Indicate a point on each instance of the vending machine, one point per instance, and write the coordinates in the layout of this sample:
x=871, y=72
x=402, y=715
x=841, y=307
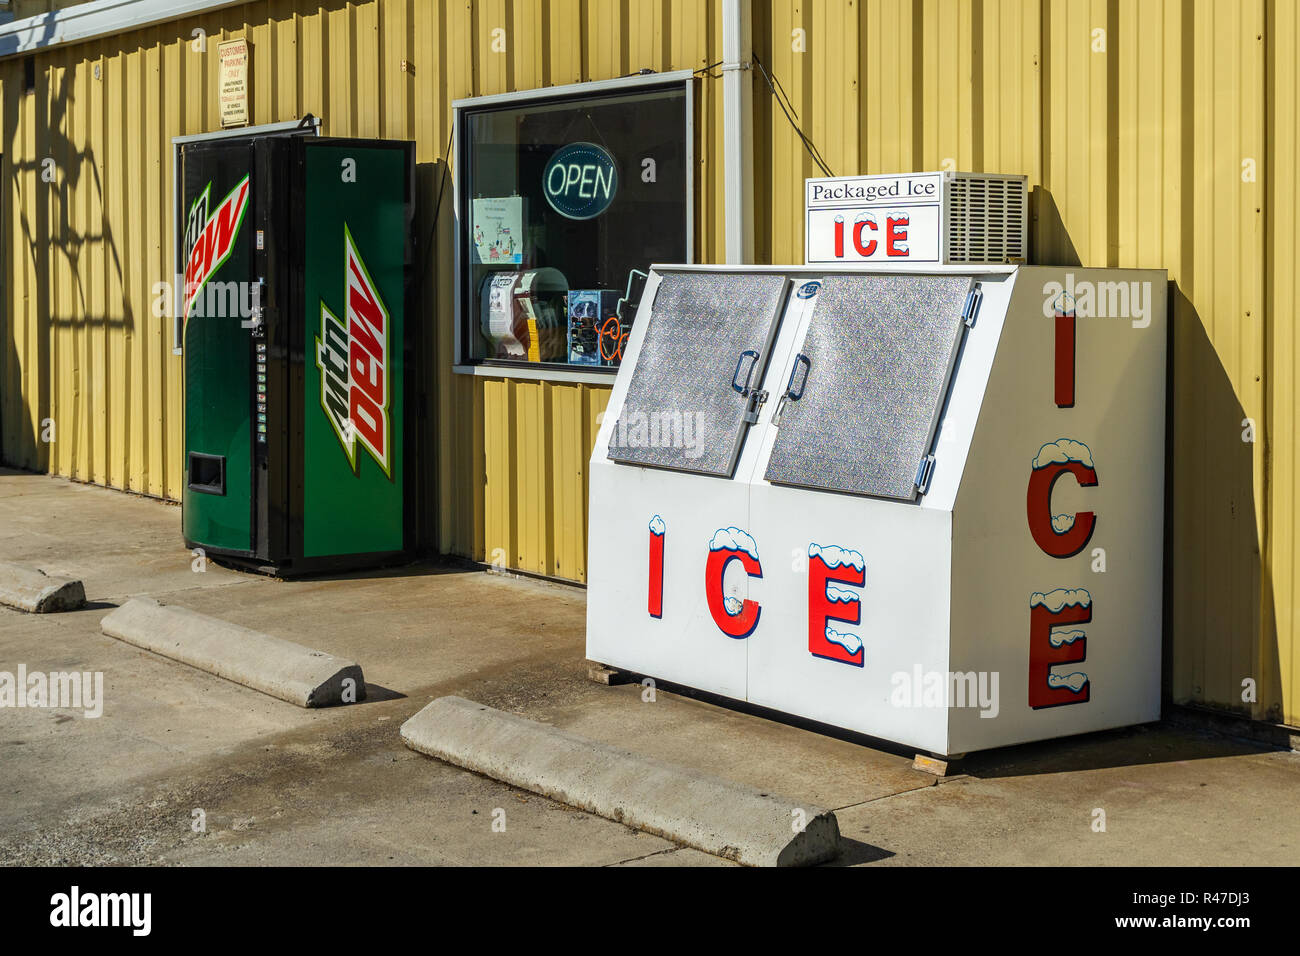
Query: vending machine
x=300, y=357
x=899, y=489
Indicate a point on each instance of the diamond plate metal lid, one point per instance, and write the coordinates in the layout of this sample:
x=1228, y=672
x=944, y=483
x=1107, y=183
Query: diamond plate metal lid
x=880, y=350
x=681, y=411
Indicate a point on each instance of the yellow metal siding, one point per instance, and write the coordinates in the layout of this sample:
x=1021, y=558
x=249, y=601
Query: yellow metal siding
x=82, y=345
x=1138, y=124
x=1133, y=122
x=1279, y=648
x=513, y=453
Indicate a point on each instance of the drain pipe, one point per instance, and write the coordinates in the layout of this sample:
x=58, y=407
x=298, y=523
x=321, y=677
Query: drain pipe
x=738, y=134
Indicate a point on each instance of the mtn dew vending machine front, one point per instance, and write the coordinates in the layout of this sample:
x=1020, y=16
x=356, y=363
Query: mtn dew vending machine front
x=299, y=356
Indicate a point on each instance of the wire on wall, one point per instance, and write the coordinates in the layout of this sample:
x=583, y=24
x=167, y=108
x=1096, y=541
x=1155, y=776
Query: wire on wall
x=792, y=117
x=426, y=273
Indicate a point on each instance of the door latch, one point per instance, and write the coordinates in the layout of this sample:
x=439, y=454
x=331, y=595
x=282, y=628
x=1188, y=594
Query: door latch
x=743, y=387
x=791, y=394
x=756, y=399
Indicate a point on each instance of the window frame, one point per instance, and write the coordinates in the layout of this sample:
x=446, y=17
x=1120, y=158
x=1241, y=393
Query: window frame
x=552, y=371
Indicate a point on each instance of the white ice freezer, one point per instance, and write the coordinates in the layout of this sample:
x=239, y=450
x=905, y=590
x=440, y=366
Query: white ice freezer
x=924, y=505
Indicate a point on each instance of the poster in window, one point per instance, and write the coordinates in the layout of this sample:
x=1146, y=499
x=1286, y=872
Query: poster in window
x=498, y=225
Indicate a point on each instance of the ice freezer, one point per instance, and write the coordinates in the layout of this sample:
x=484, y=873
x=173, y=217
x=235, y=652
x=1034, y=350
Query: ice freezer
x=925, y=505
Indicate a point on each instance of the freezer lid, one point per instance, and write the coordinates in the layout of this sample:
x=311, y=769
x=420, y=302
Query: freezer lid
x=864, y=392
x=701, y=363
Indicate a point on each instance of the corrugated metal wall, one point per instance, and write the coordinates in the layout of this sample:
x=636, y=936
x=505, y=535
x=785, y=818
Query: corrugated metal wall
x=523, y=505
x=82, y=347
x=1155, y=134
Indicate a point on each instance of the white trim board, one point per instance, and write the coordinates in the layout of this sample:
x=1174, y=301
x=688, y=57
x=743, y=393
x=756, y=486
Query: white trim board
x=540, y=373
x=96, y=19
x=589, y=88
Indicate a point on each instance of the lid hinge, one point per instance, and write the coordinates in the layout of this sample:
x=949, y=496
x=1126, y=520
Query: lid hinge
x=923, y=472
x=972, y=306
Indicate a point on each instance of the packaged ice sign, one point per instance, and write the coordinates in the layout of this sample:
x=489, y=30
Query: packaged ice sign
x=352, y=355
x=580, y=180
x=920, y=218
x=210, y=239
x=862, y=504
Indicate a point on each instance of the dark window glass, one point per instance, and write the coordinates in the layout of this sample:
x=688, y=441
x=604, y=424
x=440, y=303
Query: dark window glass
x=564, y=205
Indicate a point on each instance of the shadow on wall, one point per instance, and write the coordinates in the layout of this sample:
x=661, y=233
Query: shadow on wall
x=430, y=290
x=1219, y=631
x=1212, y=566
x=1050, y=242
x=43, y=241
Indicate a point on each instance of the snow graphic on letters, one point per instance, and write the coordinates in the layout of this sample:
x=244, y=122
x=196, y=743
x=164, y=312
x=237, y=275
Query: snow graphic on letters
x=735, y=616
x=733, y=539
x=1060, y=535
x=830, y=569
x=900, y=219
x=1061, y=597
x=1062, y=523
x=1062, y=451
x=1054, y=601
x=850, y=642
x=1058, y=638
x=657, y=525
x=833, y=556
x=1074, y=682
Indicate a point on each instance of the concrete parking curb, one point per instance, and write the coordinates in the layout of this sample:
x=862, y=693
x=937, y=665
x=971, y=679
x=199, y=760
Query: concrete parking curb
x=718, y=816
x=34, y=591
x=283, y=669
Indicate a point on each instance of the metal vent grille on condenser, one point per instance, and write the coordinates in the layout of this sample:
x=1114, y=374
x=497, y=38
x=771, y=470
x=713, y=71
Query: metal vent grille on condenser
x=879, y=353
x=702, y=356
x=987, y=218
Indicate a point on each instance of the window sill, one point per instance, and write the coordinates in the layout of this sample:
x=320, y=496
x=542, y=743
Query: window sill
x=536, y=374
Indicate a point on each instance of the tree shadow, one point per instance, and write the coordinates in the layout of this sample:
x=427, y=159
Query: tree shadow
x=41, y=192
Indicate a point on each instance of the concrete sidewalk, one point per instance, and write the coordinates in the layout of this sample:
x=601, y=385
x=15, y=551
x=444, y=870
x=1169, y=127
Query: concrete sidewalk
x=277, y=784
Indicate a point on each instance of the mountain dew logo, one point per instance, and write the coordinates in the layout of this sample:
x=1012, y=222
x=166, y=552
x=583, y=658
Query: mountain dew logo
x=210, y=239
x=352, y=355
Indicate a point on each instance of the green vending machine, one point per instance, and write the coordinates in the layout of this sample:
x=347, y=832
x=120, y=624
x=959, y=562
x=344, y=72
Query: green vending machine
x=300, y=362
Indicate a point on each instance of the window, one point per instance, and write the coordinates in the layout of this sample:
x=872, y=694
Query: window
x=563, y=202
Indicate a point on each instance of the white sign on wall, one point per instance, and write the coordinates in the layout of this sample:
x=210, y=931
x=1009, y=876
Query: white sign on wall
x=233, y=92
x=885, y=219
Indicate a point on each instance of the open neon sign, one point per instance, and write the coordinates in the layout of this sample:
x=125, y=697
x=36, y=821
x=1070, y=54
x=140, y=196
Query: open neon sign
x=580, y=180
